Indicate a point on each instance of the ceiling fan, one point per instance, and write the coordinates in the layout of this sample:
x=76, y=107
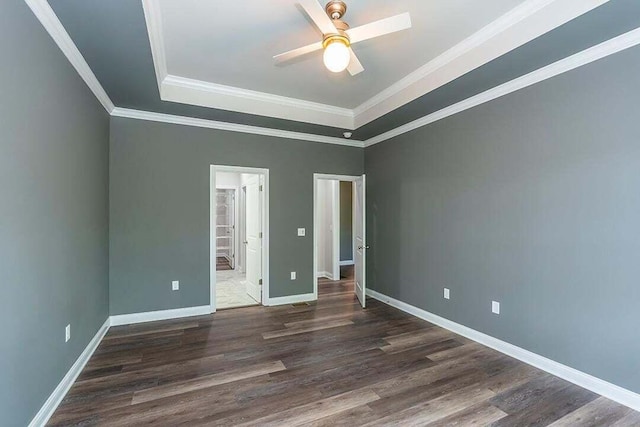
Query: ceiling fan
x=338, y=37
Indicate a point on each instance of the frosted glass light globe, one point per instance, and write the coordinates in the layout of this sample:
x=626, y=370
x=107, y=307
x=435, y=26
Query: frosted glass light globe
x=336, y=56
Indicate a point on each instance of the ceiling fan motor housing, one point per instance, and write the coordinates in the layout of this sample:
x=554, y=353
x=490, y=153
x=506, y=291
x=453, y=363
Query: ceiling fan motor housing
x=342, y=28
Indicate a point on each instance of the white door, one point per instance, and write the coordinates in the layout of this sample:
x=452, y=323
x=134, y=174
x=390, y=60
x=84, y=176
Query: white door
x=361, y=244
x=242, y=230
x=253, y=233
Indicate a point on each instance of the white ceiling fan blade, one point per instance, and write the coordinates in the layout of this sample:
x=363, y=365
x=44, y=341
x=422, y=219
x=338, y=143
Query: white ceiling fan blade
x=355, y=67
x=319, y=16
x=287, y=56
x=380, y=28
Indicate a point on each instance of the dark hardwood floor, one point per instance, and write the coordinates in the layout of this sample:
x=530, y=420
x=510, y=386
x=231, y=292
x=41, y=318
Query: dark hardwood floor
x=328, y=363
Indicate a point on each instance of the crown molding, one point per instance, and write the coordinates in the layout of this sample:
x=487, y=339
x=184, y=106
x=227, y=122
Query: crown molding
x=231, y=127
x=54, y=27
x=587, y=56
x=205, y=94
x=522, y=24
x=507, y=20
x=212, y=95
x=152, y=13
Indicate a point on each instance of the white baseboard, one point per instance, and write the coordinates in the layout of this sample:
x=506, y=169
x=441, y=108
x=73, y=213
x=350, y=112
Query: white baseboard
x=61, y=390
x=152, y=316
x=596, y=385
x=325, y=274
x=348, y=262
x=63, y=387
x=293, y=299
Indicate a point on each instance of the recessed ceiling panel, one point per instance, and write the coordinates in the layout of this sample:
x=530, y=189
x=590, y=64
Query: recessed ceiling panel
x=232, y=43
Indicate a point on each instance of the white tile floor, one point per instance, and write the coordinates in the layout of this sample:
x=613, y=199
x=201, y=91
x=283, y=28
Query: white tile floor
x=231, y=290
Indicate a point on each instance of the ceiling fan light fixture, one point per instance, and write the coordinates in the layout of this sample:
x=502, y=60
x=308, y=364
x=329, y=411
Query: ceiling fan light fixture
x=336, y=53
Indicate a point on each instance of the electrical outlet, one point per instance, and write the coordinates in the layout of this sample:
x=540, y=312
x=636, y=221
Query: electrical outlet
x=447, y=293
x=302, y=232
x=293, y=275
x=495, y=307
x=175, y=285
x=67, y=333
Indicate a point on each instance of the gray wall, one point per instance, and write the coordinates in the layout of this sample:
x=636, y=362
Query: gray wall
x=532, y=200
x=159, y=208
x=53, y=214
x=346, y=221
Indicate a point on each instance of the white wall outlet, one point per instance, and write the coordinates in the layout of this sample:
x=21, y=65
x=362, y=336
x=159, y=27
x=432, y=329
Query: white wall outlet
x=447, y=293
x=302, y=232
x=175, y=285
x=293, y=275
x=495, y=307
x=67, y=333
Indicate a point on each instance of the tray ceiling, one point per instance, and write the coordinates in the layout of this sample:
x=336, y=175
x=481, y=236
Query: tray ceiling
x=215, y=58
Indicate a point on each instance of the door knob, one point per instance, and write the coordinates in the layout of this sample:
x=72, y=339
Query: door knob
x=363, y=247
x=245, y=242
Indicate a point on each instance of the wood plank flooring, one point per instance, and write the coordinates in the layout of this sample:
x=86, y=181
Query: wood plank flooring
x=328, y=363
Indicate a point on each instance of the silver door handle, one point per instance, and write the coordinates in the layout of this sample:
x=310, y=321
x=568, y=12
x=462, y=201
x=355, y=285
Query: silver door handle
x=363, y=247
x=246, y=243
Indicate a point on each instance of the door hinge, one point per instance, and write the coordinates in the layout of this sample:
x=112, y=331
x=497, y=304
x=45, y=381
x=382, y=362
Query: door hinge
x=261, y=188
x=260, y=235
x=260, y=282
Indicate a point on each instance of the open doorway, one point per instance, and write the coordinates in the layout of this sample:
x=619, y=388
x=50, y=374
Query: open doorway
x=339, y=234
x=239, y=236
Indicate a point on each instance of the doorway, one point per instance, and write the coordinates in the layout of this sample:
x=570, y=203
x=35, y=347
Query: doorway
x=330, y=250
x=238, y=237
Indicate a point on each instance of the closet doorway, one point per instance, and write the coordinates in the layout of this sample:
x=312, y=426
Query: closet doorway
x=239, y=237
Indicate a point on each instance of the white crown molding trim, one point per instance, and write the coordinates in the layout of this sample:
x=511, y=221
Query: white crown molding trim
x=610, y=47
x=231, y=127
x=293, y=299
x=153, y=14
x=596, y=385
x=54, y=27
x=152, y=316
x=522, y=24
x=51, y=404
x=205, y=94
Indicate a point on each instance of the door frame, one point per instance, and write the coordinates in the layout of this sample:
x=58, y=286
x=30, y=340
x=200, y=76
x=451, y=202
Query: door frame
x=213, y=169
x=242, y=221
x=317, y=177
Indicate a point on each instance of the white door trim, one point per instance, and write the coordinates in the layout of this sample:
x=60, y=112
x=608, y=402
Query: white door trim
x=212, y=228
x=335, y=220
x=317, y=177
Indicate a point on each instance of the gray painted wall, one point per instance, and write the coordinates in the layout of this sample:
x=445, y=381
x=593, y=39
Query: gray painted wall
x=532, y=200
x=53, y=215
x=346, y=221
x=159, y=208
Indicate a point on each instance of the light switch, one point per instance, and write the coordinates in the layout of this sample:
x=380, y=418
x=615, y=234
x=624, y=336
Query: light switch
x=302, y=232
x=175, y=285
x=447, y=294
x=495, y=307
x=293, y=275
